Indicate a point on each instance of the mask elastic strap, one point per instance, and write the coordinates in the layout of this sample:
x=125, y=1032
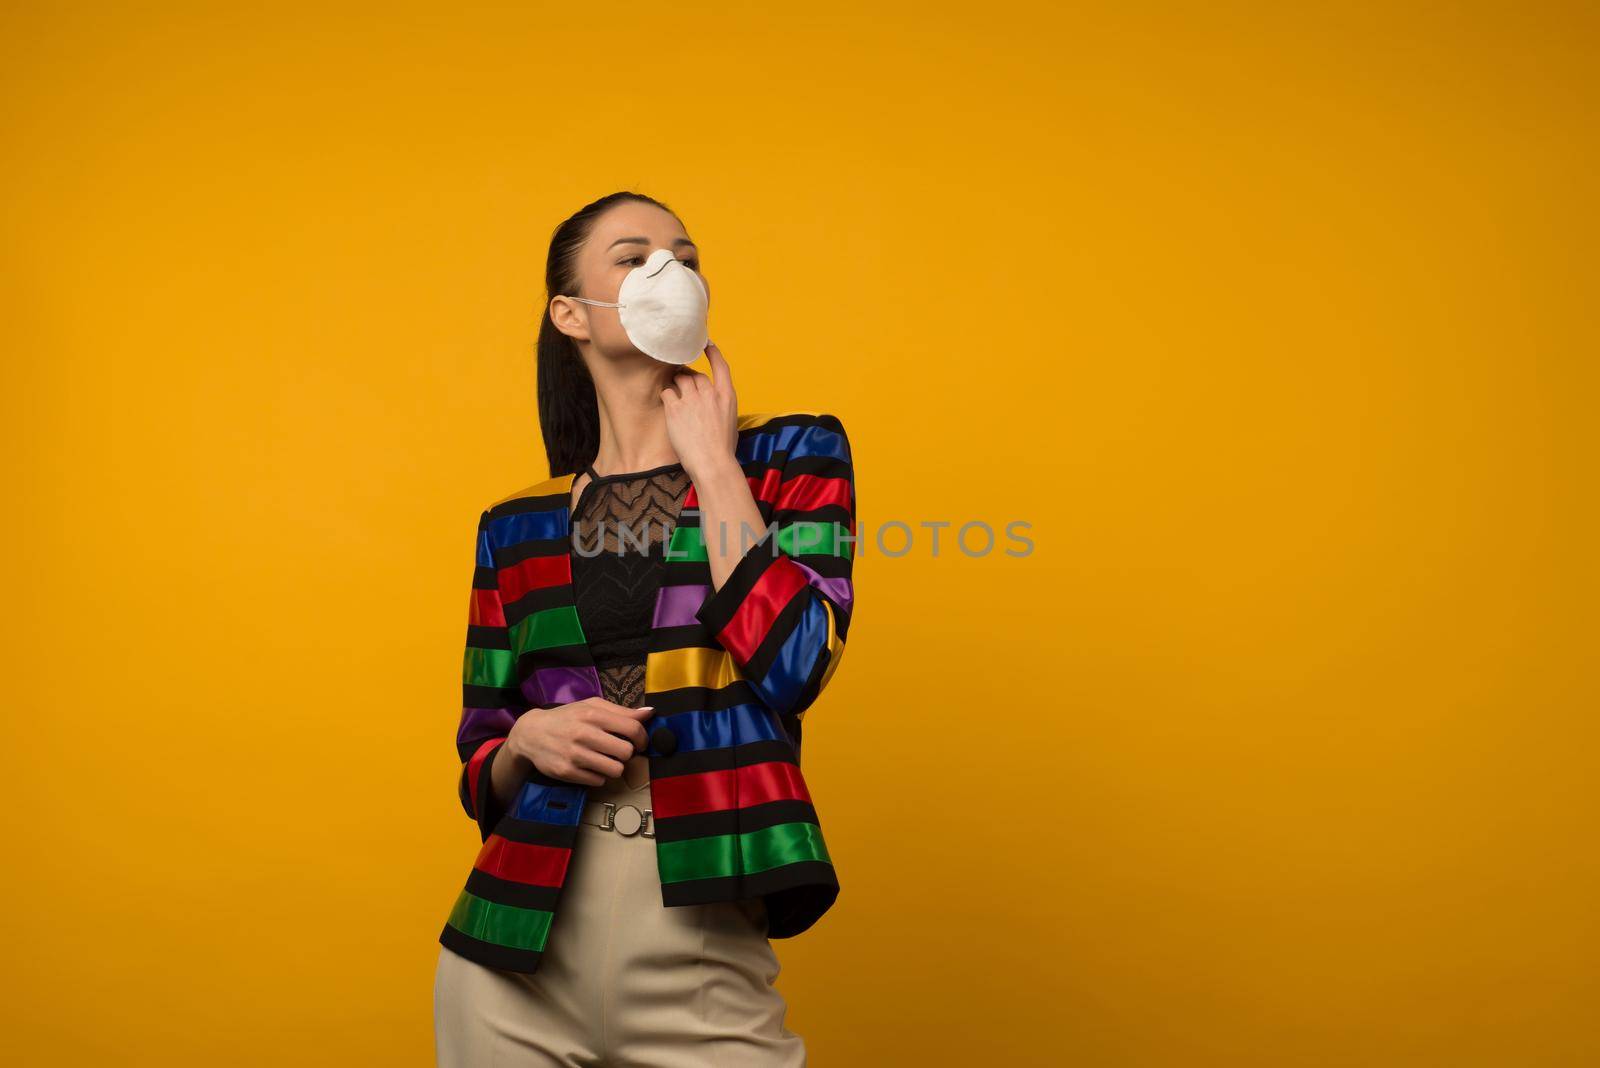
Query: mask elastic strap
x=600, y=303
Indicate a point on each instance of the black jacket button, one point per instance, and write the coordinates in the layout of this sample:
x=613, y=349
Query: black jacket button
x=664, y=740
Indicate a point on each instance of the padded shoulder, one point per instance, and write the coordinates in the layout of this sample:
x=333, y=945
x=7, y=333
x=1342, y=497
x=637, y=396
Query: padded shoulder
x=559, y=486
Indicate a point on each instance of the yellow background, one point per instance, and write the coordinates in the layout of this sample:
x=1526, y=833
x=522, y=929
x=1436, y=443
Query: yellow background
x=1277, y=324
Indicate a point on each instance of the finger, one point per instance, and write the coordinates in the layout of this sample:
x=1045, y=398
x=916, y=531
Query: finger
x=622, y=726
x=721, y=375
x=607, y=744
x=601, y=765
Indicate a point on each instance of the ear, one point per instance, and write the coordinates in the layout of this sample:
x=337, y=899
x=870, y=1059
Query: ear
x=570, y=317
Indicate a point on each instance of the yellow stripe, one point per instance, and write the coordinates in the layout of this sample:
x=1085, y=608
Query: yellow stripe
x=835, y=647
x=749, y=422
x=540, y=489
x=673, y=669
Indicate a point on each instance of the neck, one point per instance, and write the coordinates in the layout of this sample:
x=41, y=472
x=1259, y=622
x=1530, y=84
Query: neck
x=633, y=424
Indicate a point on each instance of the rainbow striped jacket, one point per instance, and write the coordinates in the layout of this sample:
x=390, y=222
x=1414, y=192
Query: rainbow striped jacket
x=730, y=673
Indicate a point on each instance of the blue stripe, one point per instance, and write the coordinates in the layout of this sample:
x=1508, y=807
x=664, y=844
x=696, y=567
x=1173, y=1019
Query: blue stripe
x=796, y=657
x=485, y=550
x=560, y=805
x=812, y=441
x=820, y=441
x=724, y=727
x=529, y=526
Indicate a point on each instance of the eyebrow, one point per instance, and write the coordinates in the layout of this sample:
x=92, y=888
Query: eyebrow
x=646, y=241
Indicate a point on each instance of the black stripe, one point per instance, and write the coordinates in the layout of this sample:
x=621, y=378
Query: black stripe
x=783, y=625
x=796, y=894
x=510, y=555
x=488, y=954
x=792, y=723
x=703, y=698
x=531, y=832
x=818, y=542
x=554, y=656
x=688, y=636
x=505, y=892
x=821, y=466
x=557, y=596
x=734, y=821
x=695, y=761
x=491, y=697
x=488, y=637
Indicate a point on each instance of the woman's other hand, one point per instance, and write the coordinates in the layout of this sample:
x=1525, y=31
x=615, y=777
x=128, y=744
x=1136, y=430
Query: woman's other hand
x=703, y=416
x=583, y=742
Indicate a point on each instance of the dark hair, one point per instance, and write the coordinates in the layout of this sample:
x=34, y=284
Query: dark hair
x=569, y=415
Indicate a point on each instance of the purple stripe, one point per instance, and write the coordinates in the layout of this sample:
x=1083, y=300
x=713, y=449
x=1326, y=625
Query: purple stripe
x=837, y=590
x=480, y=723
x=676, y=605
x=561, y=685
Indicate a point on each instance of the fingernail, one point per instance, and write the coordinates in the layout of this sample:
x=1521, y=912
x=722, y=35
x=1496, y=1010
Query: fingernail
x=647, y=708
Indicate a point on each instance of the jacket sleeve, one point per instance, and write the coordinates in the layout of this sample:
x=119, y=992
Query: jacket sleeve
x=491, y=698
x=785, y=609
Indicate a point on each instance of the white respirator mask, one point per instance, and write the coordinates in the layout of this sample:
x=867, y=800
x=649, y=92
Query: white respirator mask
x=663, y=306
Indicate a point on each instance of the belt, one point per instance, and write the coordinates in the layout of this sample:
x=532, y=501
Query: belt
x=626, y=820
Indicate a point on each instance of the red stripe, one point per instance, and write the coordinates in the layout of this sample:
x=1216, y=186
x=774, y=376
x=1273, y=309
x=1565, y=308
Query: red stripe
x=713, y=791
x=803, y=493
x=754, y=617
x=535, y=573
x=474, y=766
x=486, y=610
x=522, y=862
x=766, y=487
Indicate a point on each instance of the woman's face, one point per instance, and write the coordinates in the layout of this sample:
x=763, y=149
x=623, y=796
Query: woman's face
x=622, y=239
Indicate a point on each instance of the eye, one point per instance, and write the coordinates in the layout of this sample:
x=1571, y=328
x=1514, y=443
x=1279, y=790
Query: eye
x=693, y=263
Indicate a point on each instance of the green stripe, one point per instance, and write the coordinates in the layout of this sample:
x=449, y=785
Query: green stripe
x=688, y=543
x=805, y=538
x=494, y=668
x=810, y=538
x=718, y=856
x=548, y=629
x=504, y=925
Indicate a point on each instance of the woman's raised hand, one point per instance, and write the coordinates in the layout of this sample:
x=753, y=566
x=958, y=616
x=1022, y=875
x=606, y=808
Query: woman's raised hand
x=702, y=415
x=584, y=742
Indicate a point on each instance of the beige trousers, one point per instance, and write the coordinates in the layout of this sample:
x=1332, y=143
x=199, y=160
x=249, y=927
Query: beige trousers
x=625, y=980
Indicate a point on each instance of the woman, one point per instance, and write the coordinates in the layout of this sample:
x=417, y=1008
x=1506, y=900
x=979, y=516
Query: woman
x=648, y=627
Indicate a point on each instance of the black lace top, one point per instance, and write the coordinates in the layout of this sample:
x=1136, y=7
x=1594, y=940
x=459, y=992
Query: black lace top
x=620, y=528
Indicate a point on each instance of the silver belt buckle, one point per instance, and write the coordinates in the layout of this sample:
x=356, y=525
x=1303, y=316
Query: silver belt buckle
x=632, y=820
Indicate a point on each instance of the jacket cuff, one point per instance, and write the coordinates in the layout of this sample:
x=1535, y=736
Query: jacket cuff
x=478, y=785
x=756, y=603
